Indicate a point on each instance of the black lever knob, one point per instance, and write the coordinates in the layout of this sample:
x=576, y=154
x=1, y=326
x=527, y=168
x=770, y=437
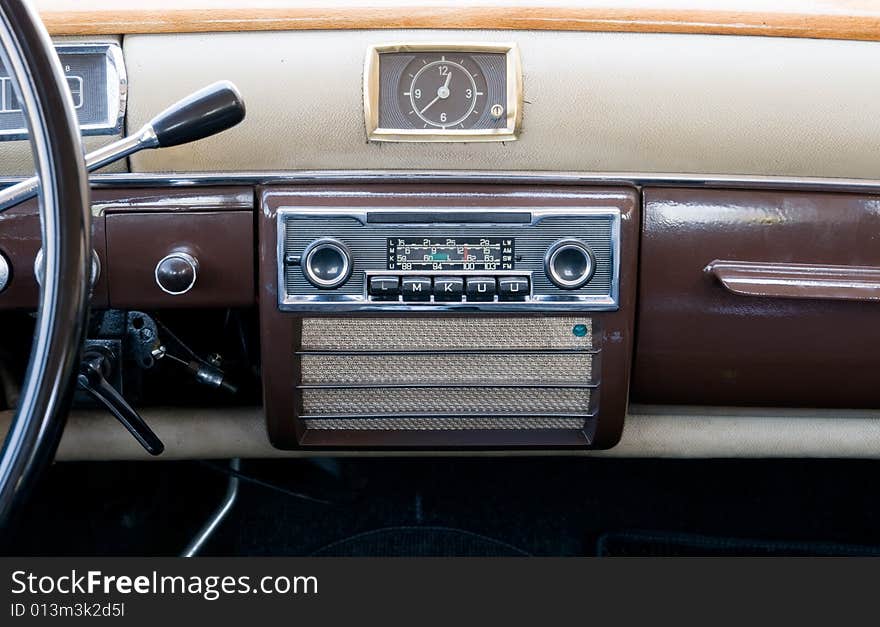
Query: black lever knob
x=208, y=111
x=93, y=370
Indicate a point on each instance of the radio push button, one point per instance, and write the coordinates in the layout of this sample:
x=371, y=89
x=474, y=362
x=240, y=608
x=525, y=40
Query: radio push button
x=416, y=288
x=513, y=288
x=384, y=287
x=448, y=289
x=480, y=289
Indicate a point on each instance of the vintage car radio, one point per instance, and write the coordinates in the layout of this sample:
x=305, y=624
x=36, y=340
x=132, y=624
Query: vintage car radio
x=446, y=316
x=498, y=259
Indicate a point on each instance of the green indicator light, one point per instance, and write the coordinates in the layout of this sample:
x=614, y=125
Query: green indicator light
x=579, y=330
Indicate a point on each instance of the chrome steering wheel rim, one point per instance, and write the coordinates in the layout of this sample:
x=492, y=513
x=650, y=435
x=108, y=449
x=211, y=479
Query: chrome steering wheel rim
x=27, y=53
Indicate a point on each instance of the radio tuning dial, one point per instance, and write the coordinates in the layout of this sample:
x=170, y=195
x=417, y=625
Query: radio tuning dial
x=569, y=263
x=327, y=263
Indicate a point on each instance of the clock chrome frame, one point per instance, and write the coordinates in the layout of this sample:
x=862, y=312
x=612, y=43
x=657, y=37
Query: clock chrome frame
x=509, y=132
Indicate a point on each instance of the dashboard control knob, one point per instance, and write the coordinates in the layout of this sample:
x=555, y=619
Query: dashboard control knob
x=39, y=269
x=569, y=263
x=5, y=272
x=176, y=273
x=327, y=263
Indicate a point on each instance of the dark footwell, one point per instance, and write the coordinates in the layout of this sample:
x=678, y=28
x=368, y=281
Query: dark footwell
x=458, y=506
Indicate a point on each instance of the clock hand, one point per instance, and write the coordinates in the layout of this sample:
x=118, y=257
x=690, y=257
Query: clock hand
x=443, y=90
x=429, y=104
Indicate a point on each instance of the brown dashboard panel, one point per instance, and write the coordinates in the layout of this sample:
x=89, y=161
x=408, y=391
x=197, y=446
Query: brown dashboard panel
x=462, y=361
x=220, y=242
x=758, y=298
x=20, y=241
x=214, y=223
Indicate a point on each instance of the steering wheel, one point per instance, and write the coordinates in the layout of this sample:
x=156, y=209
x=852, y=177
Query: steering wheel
x=36, y=428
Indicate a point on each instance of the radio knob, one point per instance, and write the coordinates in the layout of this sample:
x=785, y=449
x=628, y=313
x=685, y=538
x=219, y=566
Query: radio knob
x=177, y=273
x=327, y=263
x=569, y=263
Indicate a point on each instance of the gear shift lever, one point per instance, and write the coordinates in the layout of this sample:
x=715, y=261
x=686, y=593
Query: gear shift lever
x=206, y=112
x=94, y=369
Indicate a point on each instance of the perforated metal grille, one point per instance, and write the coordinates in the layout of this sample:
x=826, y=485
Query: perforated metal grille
x=471, y=400
x=445, y=373
x=421, y=369
x=455, y=333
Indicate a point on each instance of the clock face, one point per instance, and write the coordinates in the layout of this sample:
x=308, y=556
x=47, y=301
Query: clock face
x=442, y=93
x=431, y=93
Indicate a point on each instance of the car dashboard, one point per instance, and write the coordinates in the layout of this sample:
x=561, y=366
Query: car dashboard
x=500, y=232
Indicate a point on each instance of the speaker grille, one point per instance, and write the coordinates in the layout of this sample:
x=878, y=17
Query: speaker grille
x=450, y=369
x=447, y=400
x=459, y=333
x=447, y=373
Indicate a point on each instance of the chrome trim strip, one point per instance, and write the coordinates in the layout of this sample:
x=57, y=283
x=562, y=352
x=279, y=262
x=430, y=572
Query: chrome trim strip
x=481, y=177
x=116, y=88
x=194, y=202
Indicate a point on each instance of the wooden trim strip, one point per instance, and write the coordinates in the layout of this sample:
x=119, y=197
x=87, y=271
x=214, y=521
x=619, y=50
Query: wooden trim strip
x=828, y=19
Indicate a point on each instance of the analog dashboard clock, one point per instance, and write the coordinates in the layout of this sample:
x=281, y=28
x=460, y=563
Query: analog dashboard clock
x=442, y=92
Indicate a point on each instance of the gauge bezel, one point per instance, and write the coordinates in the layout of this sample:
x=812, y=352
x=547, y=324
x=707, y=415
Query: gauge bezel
x=508, y=132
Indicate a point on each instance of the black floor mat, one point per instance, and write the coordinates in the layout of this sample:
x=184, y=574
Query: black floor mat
x=419, y=542
x=660, y=544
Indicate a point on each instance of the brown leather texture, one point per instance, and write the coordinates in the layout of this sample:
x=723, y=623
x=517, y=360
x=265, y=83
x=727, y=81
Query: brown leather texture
x=280, y=331
x=698, y=343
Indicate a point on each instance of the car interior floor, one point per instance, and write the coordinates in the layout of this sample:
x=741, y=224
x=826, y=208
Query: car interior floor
x=446, y=506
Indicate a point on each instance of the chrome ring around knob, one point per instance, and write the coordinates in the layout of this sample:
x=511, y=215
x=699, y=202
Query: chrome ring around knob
x=93, y=278
x=5, y=272
x=327, y=263
x=569, y=263
x=176, y=273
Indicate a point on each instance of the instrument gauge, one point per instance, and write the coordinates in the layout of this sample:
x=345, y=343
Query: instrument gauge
x=437, y=92
x=443, y=93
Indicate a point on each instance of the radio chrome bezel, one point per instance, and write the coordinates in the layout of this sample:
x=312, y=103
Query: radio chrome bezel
x=347, y=302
